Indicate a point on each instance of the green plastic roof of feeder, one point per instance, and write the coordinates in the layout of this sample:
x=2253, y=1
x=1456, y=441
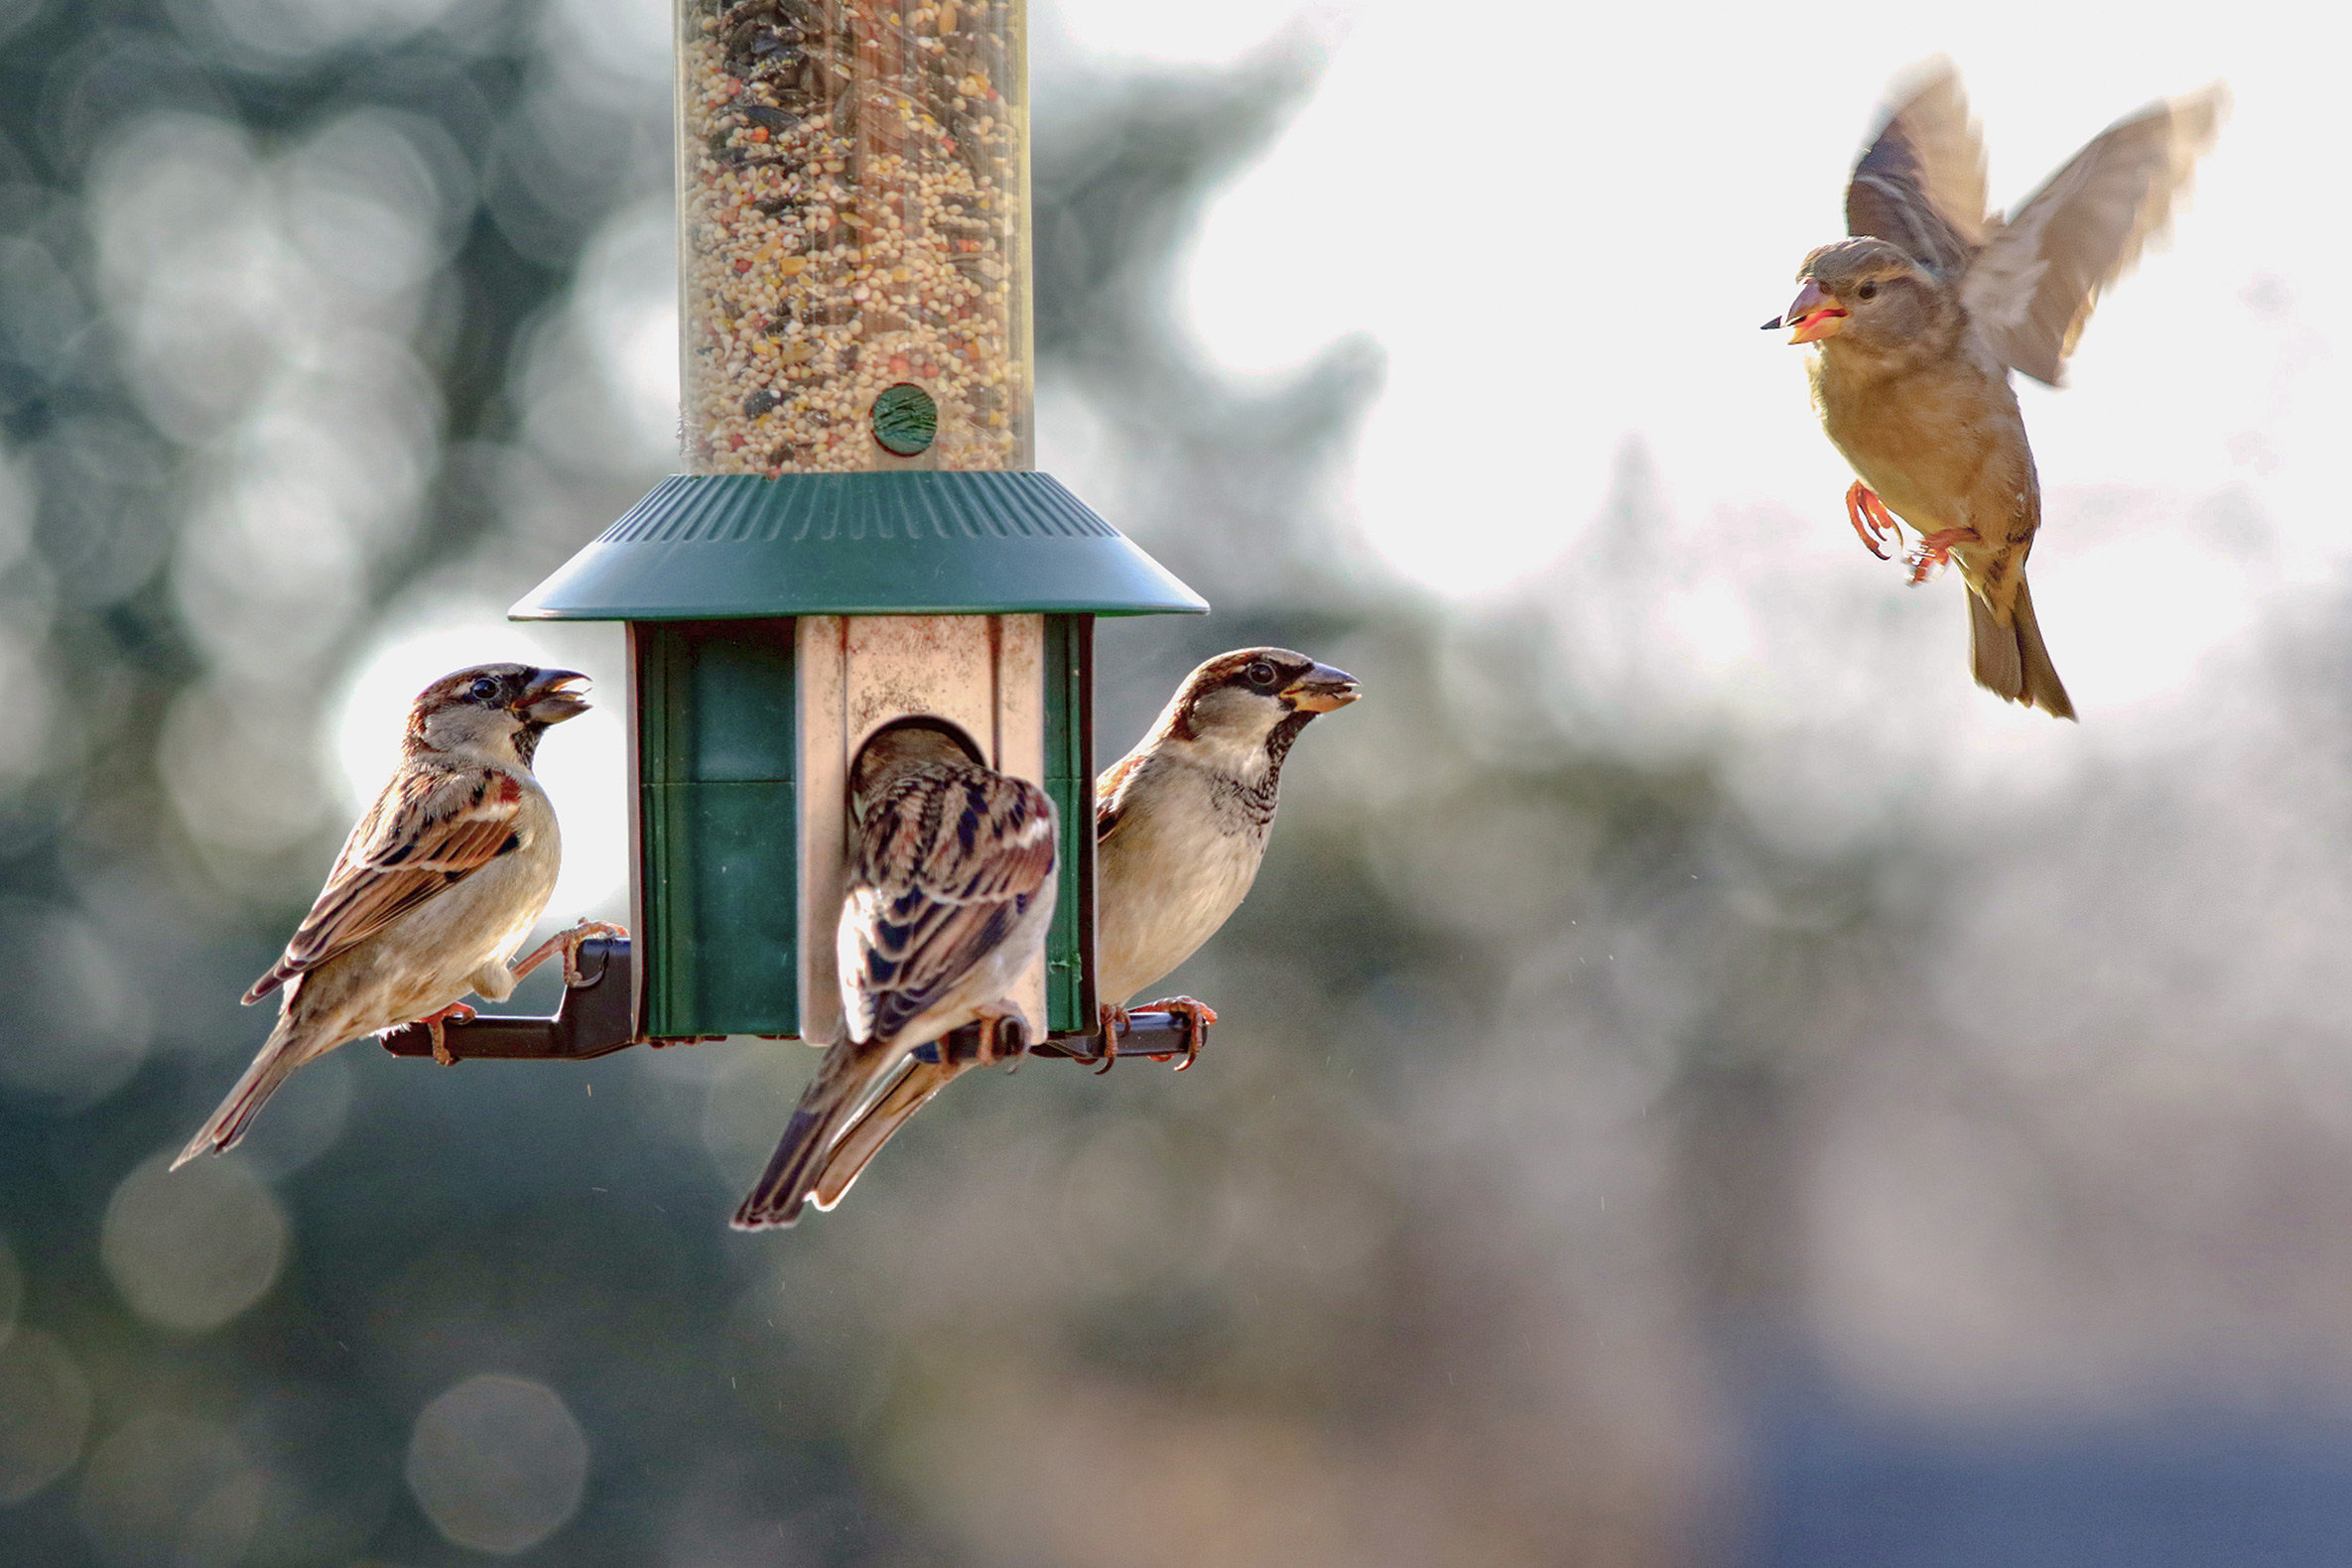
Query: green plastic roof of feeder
x=860, y=537
x=940, y=543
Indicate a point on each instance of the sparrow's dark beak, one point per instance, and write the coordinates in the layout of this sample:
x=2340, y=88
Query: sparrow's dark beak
x=550, y=697
x=1773, y=326
x=1813, y=315
x=1321, y=690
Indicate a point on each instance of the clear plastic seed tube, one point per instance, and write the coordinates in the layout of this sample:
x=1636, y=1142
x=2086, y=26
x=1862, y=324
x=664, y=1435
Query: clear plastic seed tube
x=852, y=181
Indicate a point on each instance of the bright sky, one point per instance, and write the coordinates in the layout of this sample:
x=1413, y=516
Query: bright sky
x=1563, y=225
x=1573, y=240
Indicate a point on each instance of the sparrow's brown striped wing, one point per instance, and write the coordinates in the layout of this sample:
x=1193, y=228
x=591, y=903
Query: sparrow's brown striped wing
x=1109, y=789
x=2033, y=288
x=1920, y=184
x=948, y=859
x=432, y=826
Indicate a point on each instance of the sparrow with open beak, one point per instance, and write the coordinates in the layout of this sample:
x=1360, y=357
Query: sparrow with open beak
x=1918, y=320
x=950, y=897
x=436, y=887
x=1181, y=825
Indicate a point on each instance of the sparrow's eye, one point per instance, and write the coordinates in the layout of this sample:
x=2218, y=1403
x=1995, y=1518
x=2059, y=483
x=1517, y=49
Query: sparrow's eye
x=1262, y=675
x=1869, y=291
x=482, y=689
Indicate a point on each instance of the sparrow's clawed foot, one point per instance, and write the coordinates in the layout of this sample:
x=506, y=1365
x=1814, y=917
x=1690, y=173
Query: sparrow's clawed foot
x=1872, y=523
x=1197, y=1016
x=1114, y=1024
x=567, y=943
x=1934, y=552
x=457, y=1012
x=992, y=1020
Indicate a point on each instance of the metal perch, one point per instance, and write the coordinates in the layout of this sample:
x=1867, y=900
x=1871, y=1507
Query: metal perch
x=595, y=1018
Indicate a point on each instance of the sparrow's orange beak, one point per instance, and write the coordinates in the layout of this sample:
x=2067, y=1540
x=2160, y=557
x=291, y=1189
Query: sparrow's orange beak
x=550, y=697
x=1813, y=315
x=1322, y=689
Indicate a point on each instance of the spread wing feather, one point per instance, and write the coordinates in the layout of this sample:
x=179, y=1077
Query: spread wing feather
x=2033, y=288
x=1920, y=184
x=431, y=828
x=947, y=861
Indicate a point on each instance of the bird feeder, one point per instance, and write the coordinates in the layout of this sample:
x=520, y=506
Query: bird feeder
x=858, y=537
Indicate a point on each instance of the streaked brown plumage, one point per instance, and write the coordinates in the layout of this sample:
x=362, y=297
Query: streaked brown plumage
x=1920, y=317
x=1181, y=825
x=435, y=890
x=950, y=897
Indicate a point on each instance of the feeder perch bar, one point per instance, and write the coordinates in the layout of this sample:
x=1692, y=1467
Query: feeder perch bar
x=593, y=1020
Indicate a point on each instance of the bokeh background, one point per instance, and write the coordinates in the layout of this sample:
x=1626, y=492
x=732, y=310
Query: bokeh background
x=1700, y=1084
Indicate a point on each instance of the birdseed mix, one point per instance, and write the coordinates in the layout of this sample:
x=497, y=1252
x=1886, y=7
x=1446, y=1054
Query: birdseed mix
x=852, y=174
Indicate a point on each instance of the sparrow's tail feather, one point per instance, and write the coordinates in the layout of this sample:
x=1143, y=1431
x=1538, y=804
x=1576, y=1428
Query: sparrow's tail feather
x=277, y=1059
x=2011, y=661
x=826, y=1106
x=879, y=1124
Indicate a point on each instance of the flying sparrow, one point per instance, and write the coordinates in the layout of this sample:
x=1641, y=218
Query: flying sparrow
x=1180, y=827
x=436, y=887
x=1920, y=317
x=950, y=897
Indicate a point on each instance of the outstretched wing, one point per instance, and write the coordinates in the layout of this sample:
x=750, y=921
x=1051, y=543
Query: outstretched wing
x=948, y=859
x=2033, y=287
x=1920, y=184
x=432, y=826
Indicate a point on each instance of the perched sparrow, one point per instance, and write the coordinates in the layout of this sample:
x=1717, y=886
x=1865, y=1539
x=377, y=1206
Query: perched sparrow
x=1918, y=320
x=435, y=890
x=1180, y=827
x=949, y=900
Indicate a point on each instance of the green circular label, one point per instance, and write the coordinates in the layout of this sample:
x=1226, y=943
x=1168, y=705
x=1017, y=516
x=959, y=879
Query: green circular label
x=905, y=420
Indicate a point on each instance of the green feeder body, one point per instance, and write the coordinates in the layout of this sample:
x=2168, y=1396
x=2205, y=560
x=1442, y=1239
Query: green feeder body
x=861, y=540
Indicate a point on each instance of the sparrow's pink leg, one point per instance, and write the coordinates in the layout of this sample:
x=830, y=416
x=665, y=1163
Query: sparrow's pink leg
x=991, y=1023
x=567, y=943
x=1114, y=1024
x=1870, y=520
x=1934, y=550
x=441, y=1050
x=1197, y=1016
